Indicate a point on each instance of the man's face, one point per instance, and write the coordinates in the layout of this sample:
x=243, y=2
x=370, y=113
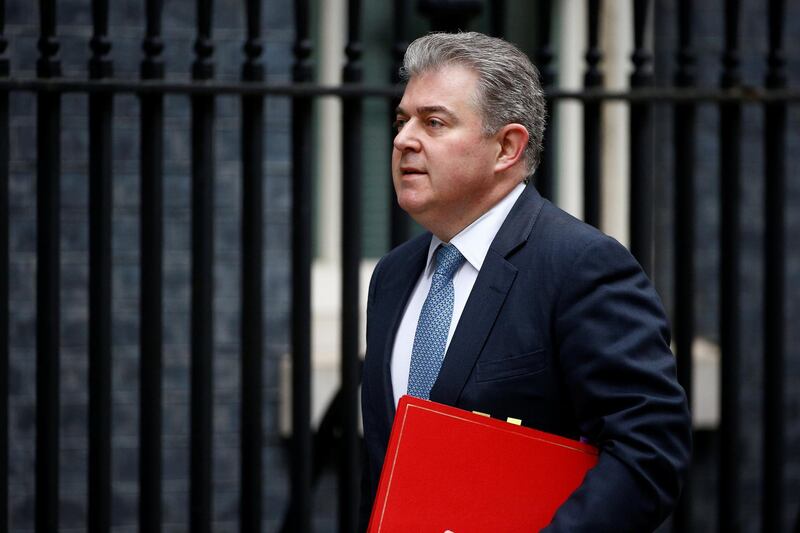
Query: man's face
x=442, y=163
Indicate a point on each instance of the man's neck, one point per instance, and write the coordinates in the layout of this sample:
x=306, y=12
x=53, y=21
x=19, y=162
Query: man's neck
x=445, y=230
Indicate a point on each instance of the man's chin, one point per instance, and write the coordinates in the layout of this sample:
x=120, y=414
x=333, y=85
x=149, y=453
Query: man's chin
x=413, y=204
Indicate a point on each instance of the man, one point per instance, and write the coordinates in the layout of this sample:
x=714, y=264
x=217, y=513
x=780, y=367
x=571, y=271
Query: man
x=510, y=306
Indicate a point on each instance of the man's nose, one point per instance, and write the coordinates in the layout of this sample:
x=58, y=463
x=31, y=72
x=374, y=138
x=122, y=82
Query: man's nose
x=407, y=138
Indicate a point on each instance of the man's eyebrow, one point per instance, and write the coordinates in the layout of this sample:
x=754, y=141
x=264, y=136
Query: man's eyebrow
x=429, y=110
x=434, y=109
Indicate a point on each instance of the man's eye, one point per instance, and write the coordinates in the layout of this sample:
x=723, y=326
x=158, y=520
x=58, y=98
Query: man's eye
x=435, y=123
x=398, y=124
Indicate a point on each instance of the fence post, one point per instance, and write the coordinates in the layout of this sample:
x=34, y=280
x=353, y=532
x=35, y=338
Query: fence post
x=351, y=263
x=100, y=207
x=730, y=169
x=544, y=59
x=683, y=144
x=774, y=276
x=450, y=15
x=151, y=156
x=399, y=224
x=252, y=270
x=299, y=516
x=592, y=139
x=641, y=145
x=497, y=18
x=202, y=324
x=48, y=260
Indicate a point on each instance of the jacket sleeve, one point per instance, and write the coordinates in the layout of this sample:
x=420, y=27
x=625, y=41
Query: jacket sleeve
x=613, y=346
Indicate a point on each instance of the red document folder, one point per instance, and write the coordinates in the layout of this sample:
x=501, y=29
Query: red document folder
x=449, y=469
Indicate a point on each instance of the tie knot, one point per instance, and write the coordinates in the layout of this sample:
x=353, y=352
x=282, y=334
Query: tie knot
x=448, y=259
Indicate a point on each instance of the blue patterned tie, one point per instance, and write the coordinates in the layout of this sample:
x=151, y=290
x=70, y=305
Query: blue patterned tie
x=434, y=324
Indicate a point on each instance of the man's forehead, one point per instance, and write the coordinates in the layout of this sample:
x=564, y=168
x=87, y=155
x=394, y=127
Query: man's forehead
x=443, y=89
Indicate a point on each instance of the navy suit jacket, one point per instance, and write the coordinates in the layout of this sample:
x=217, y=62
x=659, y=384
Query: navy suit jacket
x=564, y=331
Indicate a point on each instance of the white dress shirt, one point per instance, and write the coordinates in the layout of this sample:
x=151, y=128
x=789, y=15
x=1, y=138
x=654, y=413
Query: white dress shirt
x=473, y=242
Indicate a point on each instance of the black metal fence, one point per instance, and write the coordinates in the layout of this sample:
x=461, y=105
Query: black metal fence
x=101, y=87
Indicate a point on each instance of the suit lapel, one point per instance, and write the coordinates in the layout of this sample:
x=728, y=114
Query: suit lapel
x=486, y=299
x=484, y=303
x=398, y=289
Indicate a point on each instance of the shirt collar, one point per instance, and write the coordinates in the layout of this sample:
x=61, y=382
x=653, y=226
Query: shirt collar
x=473, y=241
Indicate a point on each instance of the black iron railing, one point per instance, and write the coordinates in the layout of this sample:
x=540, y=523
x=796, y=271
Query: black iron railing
x=151, y=156
x=100, y=206
x=592, y=140
x=730, y=170
x=300, y=509
x=683, y=144
x=252, y=269
x=544, y=61
x=352, y=109
x=48, y=262
x=774, y=314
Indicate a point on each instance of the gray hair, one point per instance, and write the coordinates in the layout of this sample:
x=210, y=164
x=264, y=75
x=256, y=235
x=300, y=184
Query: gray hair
x=509, y=90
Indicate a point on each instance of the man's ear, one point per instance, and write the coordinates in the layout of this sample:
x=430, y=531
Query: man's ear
x=512, y=140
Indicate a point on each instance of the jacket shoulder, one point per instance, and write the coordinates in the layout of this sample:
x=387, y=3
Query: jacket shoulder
x=568, y=237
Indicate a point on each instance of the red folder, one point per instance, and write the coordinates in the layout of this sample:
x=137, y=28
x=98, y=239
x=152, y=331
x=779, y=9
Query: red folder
x=449, y=469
